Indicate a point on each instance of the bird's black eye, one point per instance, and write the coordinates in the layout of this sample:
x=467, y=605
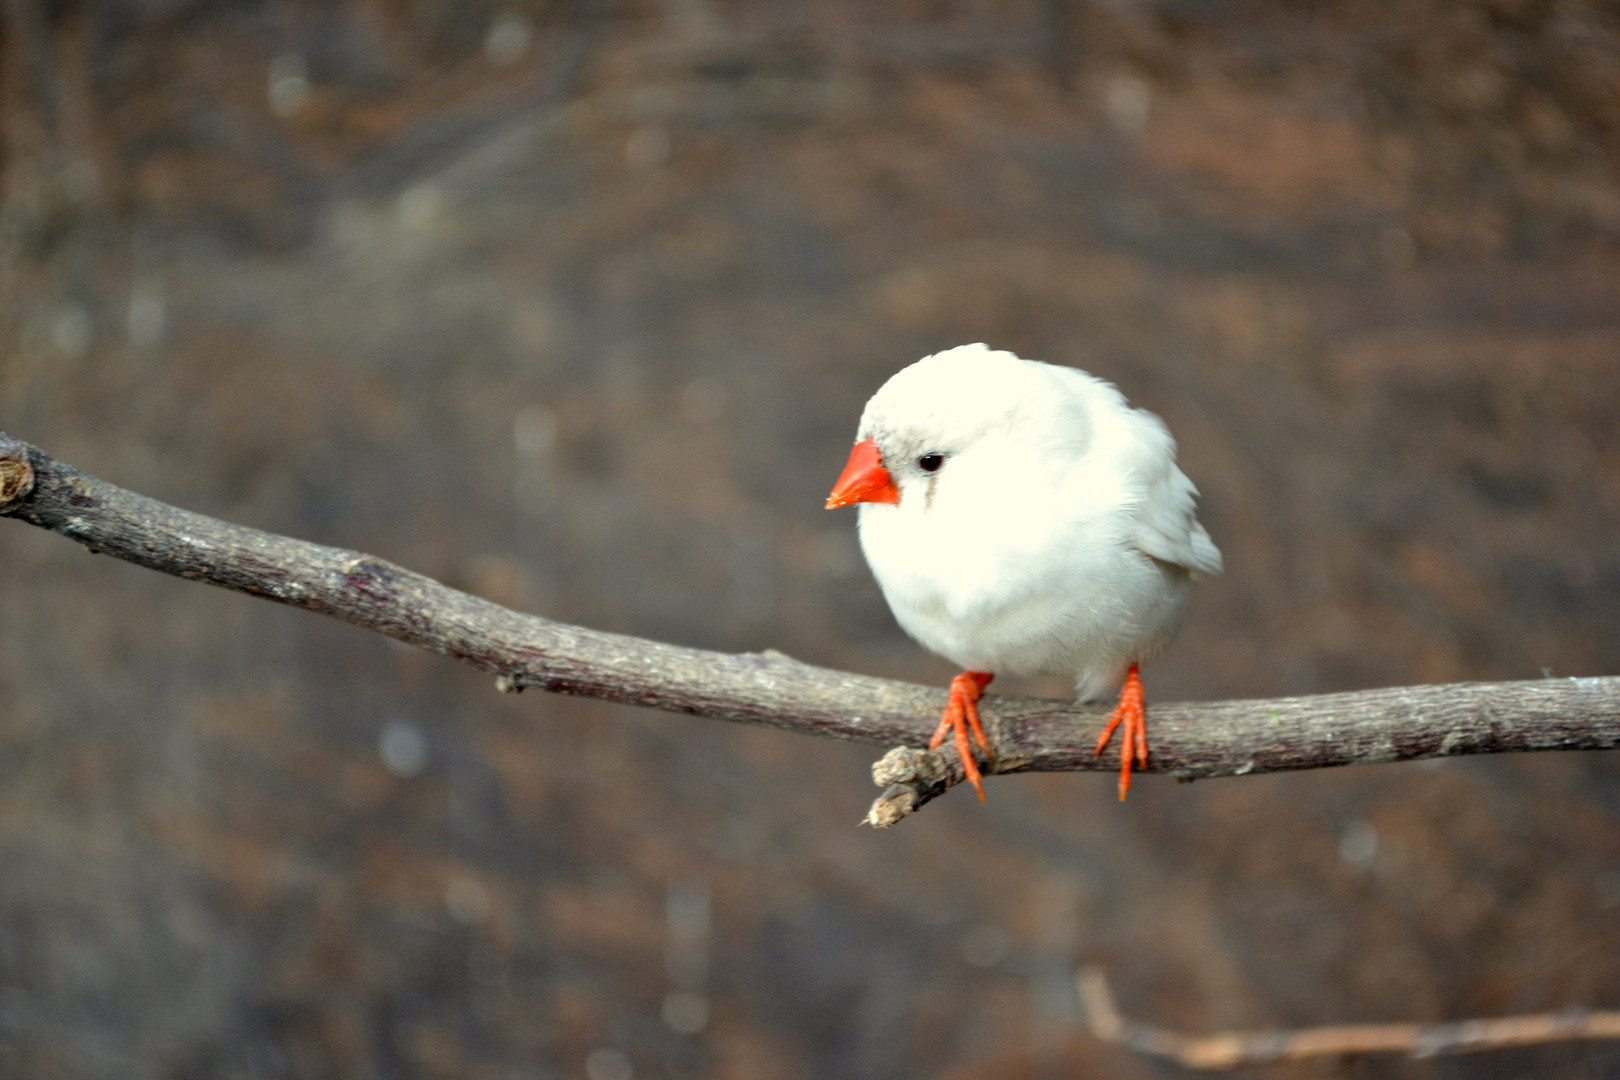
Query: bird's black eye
x=930, y=462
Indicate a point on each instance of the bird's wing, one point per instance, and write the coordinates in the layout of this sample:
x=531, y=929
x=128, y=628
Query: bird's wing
x=1167, y=525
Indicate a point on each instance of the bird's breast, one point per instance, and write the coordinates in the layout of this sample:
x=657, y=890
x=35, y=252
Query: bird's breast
x=999, y=592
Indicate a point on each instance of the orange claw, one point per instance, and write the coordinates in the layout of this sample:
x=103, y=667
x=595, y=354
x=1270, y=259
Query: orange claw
x=962, y=712
x=1132, y=710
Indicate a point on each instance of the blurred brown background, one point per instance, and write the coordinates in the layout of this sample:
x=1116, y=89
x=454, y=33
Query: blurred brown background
x=575, y=305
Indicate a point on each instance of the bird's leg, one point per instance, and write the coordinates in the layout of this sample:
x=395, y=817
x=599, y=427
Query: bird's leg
x=1133, y=741
x=962, y=712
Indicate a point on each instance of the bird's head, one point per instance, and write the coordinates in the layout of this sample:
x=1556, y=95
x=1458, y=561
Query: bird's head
x=977, y=415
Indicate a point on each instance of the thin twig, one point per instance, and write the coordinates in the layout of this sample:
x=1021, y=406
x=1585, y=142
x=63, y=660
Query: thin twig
x=1191, y=740
x=1228, y=1050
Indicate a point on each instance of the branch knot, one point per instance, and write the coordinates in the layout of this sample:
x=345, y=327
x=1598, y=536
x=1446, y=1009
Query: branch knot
x=16, y=481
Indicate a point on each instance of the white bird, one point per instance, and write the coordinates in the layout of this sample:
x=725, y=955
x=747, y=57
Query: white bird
x=1022, y=518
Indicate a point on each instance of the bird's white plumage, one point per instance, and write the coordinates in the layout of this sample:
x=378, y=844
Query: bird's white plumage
x=1058, y=537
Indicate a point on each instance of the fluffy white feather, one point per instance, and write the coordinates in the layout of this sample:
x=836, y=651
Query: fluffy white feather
x=1056, y=537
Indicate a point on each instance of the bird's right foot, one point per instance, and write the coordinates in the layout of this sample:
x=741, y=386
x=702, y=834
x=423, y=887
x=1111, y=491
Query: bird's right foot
x=962, y=712
x=1133, y=743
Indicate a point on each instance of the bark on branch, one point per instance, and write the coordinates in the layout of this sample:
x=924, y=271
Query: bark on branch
x=1191, y=740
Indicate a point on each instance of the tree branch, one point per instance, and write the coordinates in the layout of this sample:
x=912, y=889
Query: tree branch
x=1231, y=1049
x=1191, y=740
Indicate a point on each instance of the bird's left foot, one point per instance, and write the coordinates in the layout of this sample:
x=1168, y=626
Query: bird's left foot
x=962, y=712
x=1132, y=711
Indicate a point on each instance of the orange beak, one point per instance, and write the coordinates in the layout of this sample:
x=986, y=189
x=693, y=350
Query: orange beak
x=864, y=479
